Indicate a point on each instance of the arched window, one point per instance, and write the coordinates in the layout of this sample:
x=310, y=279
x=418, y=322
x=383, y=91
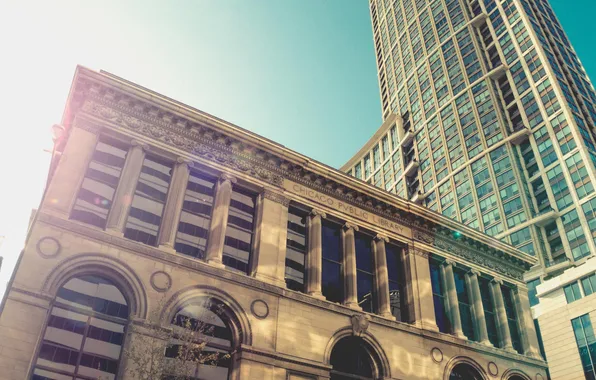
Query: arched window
x=85, y=332
x=516, y=377
x=203, y=341
x=352, y=358
x=464, y=371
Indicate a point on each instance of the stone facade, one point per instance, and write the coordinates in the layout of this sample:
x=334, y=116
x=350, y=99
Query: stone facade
x=275, y=332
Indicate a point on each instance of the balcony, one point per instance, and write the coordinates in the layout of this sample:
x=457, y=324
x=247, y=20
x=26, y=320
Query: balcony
x=479, y=21
x=411, y=168
x=520, y=135
x=545, y=217
x=498, y=72
x=418, y=197
x=558, y=264
x=408, y=138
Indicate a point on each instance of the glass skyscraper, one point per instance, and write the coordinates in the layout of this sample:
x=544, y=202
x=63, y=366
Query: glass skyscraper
x=489, y=119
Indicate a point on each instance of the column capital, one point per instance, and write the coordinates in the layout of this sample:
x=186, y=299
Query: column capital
x=316, y=212
x=381, y=237
x=140, y=144
x=223, y=177
x=448, y=262
x=497, y=281
x=276, y=197
x=184, y=160
x=350, y=226
x=473, y=272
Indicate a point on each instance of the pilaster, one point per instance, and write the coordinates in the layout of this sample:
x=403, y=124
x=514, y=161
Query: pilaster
x=418, y=288
x=478, y=317
x=126, y=188
x=499, y=306
x=219, y=220
x=451, y=298
x=382, y=277
x=314, y=275
x=349, y=266
x=174, y=203
x=525, y=322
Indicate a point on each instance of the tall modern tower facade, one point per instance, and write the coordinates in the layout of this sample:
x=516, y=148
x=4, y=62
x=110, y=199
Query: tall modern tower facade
x=488, y=119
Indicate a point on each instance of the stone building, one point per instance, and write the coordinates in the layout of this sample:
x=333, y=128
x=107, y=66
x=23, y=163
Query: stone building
x=156, y=208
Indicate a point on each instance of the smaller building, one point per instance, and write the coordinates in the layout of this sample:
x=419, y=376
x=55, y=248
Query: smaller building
x=566, y=309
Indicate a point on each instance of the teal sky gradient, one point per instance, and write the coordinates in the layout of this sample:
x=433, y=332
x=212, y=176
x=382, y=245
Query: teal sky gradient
x=299, y=72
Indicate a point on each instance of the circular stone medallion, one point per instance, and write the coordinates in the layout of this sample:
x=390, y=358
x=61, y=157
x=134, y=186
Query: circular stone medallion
x=437, y=355
x=48, y=247
x=260, y=309
x=493, y=369
x=161, y=281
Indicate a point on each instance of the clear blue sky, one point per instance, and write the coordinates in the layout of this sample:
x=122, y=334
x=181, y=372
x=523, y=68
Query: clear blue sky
x=300, y=72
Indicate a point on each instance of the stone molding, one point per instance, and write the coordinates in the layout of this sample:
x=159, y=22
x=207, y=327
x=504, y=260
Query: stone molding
x=203, y=140
x=276, y=197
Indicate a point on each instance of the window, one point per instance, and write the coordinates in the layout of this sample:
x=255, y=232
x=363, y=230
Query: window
x=96, y=195
x=195, y=218
x=351, y=359
x=489, y=310
x=296, y=249
x=464, y=372
x=511, y=317
x=586, y=343
x=332, y=262
x=205, y=321
x=589, y=284
x=364, y=272
x=465, y=310
x=439, y=297
x=85, y=331
x=239, y=232
x=572, y=292
x=148, y=202
x=397, y=296
x=532, y=292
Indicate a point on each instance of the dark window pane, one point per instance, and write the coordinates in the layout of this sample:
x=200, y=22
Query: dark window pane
x=332, y=281
x=239, y=232
x=296, y=249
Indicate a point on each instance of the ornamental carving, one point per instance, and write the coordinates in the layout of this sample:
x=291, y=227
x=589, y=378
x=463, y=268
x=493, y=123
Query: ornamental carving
x=276, y=197
x=360, y=323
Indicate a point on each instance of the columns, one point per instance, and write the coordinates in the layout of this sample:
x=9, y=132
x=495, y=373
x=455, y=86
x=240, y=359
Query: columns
x=174, y=202
x=271, y=234
x=451, y=298
x=499, y=307
x=349, y=266
x=525, y=322
x=126, y=187
x=314, y=259
x=478, y=317
x=382, y=277
x=418, y=288
x=72, y=165
x=219, y=220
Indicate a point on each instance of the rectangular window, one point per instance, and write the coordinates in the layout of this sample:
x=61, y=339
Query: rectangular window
x=296, y=249
x=511, y=317
x=397, y=296
x=489, y=310
x=586, y=343
x=589, y=284
x=572, y=292
x=376, y=157
x=439, y=297
x=364, y=272
x=332, y=262
x=532, y=292
x=148, y=202
x=239, y=232
x=193, y=229
x=465, y=310
x=96, y=195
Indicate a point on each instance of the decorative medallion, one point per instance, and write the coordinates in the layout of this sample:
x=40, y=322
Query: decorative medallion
x=48, y=247
x=360, y=323
x=259, y=309
x=436, y=354
x=493, y=369
x=161, y=281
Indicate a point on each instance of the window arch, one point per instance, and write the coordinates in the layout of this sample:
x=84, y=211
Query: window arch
x=85, y=331
x=464, y=371
x=208, y=321
x=352, y=358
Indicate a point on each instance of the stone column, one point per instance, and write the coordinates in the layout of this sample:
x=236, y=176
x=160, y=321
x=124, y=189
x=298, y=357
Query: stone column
x=174, y=202
x=382, y=277
x=418, y=288
x=314, y=260
x=126, y=187
x=349, y=266
x=525, y=322
x=451, y=298
x=499, y=307
x=271, y=234
x=219, y=220
x=478, y=317
x=71, y=167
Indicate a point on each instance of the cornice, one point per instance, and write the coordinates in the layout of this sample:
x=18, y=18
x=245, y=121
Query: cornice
x=99, y=101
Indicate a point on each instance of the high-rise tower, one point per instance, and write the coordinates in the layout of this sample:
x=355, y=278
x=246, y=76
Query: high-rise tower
x=488, y=119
